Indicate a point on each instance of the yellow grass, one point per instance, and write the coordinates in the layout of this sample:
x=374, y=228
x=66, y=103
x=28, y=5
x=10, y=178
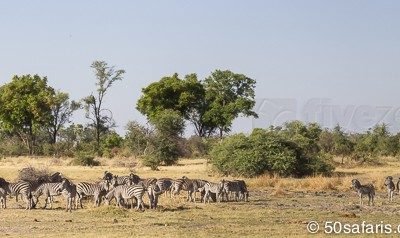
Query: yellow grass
x=278, y=207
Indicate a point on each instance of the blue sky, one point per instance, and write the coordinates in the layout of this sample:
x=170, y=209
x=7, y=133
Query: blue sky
x=324, y=61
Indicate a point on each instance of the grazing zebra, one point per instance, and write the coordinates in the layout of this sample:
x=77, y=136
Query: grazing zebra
x=54, y=178
x=364, y=189
x=390, y=186
x=48, y=190
x=95, y=190
x=126, y=192
x=213, y=188
x=164, y=184
x=185, y=184
x=154, y=191
x=17, y=188
x=236, y=187
x=68, y=191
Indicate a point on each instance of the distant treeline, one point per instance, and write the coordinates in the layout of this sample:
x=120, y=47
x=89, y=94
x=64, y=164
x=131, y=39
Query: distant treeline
x=37, y=120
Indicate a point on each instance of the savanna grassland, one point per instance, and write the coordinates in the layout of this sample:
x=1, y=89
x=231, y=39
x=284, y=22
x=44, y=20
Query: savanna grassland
x=278, y=207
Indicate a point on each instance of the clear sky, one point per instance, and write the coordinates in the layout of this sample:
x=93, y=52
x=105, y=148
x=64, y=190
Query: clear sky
x=314, y=60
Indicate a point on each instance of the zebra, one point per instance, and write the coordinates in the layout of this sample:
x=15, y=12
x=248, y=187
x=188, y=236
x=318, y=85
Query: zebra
x=390, y=186
x=54, y=178
x=20, y=187
x=68, y=190
x=213, y=188
x=126, y=192
x=48, y=190
x=3, y=198
x=126, y=179
x=164, y=184
x=368, y=189
x=154, y=191
x=97, y=190
x=236, y=187
x=185, y=184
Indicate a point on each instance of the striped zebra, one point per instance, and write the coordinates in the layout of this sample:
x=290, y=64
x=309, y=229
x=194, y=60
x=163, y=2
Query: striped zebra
x=54, y=178
x=390, y=186
x=368, y=189
x=3, y=198
x=95, y=190
x=20, y=187
x=164, y=184
x=68, y=190
x=126, y=179
x=185, y=184
x=48, y=190
x=237, y=188
x=154, y=191
x=213, y=188
x=126, y=192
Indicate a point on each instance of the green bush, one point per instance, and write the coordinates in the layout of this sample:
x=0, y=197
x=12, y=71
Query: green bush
x=266, y=151
x=85, y=160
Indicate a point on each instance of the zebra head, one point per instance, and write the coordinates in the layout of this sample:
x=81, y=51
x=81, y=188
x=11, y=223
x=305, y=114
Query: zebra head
x=388, y=180
x=107, y=176
x=56, y=177
x=355, y=183
x=114, y=181
x=134, y=178
x=64, y=185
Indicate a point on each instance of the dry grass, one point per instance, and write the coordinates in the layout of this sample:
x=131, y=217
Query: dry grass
x=279, y=207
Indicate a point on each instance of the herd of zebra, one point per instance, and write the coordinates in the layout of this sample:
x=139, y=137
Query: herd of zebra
x=369, y=189
x=121, y=188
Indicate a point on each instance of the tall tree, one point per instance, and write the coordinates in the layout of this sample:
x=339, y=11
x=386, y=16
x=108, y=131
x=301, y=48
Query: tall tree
x=228, y=95
x=61, y=112
x=101, y=117
x=183, y=95
x=25, y=107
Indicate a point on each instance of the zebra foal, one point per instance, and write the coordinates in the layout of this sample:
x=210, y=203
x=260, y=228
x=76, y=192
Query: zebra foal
x=368, y=189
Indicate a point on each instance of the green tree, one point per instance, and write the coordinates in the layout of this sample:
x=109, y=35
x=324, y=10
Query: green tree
x=183, y=95
x=228, y=95
x=26, y=106
x=62, y=110
x=101, y=117
x=342, y=146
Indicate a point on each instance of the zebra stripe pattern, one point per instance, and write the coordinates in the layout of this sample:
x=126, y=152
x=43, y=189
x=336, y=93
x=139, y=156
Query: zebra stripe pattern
x=48, y=190
x=390, y=186
x=20, y=187
x=183, y=184
x=368, y=189
x=95, y=190
x=126, y=192
x=213, y=188
x=237, y=188
x=69, y=193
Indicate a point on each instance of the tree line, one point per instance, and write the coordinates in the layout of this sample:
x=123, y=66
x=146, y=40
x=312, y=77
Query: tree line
x=35, y=119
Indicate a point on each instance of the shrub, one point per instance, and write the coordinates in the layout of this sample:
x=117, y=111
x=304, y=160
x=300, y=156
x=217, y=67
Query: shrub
x=267, y=151
x=85, y=160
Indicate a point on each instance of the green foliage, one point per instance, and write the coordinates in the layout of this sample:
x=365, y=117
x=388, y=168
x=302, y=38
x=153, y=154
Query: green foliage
x=25, y=107
x=101, y=118
x=112, y=144
x=82, y=159
x=268, y=151
x=228, y=95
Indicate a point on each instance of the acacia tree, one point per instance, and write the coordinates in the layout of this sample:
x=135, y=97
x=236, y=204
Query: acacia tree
x=25, y=107
x=101, y=118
